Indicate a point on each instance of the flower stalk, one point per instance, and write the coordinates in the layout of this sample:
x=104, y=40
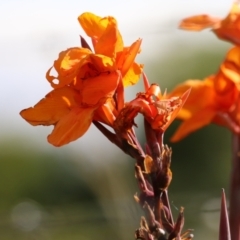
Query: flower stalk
x=234, y=197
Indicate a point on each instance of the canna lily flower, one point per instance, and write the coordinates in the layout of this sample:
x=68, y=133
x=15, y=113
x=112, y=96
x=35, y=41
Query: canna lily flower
x=77, y=64
x=89, y=86
x=159, y=110
x=226, y=29
x=213, y=100
x=70, y=111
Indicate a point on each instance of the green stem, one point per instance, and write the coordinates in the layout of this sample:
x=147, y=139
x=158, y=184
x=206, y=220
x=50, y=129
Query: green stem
x=234, y=202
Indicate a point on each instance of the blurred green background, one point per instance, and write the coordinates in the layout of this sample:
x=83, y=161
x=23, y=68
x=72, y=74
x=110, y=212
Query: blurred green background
x=56, y=193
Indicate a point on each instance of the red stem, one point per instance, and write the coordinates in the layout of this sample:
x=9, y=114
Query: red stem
x=234, y=202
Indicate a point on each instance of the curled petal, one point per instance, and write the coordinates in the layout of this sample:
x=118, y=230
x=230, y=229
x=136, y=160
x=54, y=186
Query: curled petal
x=71, y=127
x=52, y=108
x=66, y=66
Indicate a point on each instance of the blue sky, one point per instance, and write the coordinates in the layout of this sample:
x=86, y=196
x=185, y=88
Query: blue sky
x=34, y=32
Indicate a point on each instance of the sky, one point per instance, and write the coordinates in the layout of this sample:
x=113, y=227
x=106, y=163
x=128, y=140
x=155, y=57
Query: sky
x=34, y=32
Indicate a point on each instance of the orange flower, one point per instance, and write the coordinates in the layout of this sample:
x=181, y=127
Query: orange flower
x=76, y=64
x=89, y=86
x=159, y=110
x=227, y=29
x=213, y=100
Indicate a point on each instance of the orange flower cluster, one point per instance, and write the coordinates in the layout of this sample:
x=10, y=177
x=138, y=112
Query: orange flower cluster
x=216, y=99
x=90, y=84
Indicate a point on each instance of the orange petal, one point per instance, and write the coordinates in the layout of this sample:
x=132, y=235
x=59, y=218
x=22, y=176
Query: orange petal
x=71, y=127
x=147, y=84
x=226, y=81
x=229, y=33
x=126, y=59
x=98, y=89
x=197, y=121
x=102, y=63
x=233, y=56
x=230, y=67
x=103, y=32
x=229, y=27
x=52, y=108
x=153, y=90
x=198, y=22
x=133, y=74
x=106, y=113
x=143, y=106
x=67, y=66
x=226, y=89
x=202, y=95
x=120, y=94
x=92, y=24
x=176, y=111
x=106, y=43
x=91, y=66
